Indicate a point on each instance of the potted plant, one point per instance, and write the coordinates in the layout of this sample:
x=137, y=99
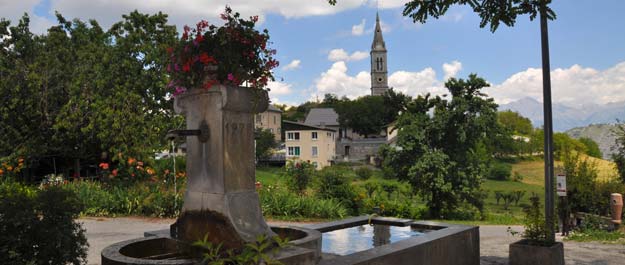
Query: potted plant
x=536, y=246
x=233, y=54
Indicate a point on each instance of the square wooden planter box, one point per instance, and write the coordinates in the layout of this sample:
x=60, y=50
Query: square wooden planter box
x=522, y=253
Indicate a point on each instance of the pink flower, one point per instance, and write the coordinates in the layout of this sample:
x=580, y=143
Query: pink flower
x=230, y=77
x=179, y=90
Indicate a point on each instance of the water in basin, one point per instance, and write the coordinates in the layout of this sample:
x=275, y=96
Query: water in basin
x=358, y=238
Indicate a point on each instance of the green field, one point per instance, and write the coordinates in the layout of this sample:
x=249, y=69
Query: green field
x=532, y=183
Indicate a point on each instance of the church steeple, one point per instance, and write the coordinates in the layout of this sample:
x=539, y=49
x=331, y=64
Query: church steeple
x=379, y=73
x=378, y=41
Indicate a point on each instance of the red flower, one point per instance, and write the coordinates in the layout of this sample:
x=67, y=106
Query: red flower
x=209, y=84
x=104, y=166
x=170, y=50
x=186, y=67
x=114, y=172
x=206, y=59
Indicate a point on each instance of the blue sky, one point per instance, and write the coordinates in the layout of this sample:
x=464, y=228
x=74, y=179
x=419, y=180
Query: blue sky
x=587, y=43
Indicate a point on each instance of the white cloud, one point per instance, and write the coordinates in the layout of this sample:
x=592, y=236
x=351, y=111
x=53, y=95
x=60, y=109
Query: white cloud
x=336, y=81
x=295, y=64
x=180, y=12
x=574, y=86
x=451, y=69
x=359, y=29
x=417, y=83
x=278, y=88
x=336, y=55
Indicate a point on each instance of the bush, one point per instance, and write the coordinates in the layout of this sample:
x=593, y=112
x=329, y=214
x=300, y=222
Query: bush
x=363, y=173
x=38, y=227
x=334, y=185
x=298, y=174
x=155, y=199
x=499, y=171
x=277, y=202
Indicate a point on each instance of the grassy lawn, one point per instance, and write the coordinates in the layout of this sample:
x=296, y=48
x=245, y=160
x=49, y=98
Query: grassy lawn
x=269, y=175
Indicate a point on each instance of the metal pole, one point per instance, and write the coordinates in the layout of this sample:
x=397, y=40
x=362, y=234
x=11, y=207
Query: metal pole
x=173, y=156
x=548, y=126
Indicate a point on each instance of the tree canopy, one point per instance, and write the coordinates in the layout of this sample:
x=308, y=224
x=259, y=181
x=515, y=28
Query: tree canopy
x=440, y=146
x=79, y=91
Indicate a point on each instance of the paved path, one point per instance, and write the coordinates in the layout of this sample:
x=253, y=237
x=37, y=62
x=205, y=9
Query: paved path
x=494, y=241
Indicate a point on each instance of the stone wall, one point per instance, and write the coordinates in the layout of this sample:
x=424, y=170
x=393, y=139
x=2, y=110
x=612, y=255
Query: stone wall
x=358, y=149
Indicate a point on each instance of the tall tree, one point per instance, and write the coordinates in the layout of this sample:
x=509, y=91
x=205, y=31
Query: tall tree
x=440, y=145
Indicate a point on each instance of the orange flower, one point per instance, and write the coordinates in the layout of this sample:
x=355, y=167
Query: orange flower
x=150, y=171
x=131, y=161
x=1, y=172
x=9, y=168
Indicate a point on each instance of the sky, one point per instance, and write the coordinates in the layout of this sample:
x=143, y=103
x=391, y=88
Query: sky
x=325, y=49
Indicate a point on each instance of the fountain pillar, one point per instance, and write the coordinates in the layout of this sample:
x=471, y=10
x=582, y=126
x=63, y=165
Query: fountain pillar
x=220, y=200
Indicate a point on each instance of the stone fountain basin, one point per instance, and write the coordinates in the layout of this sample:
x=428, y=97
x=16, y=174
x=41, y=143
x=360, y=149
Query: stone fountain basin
x=441, y=244
x=157, y=247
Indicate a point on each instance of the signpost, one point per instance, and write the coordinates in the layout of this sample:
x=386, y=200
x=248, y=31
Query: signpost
x=561, y=185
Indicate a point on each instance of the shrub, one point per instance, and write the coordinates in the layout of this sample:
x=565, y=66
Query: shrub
x=298, y=174
x=499, y=171
x=277, y=202
x=334, y=185
x=363, y=173
x=38, y=227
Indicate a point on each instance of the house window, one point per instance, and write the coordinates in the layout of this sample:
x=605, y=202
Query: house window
x=315, y=151
x=292, y=136
x=258, y=118
x=314, y=135
x=271, y=130
x=293, y=151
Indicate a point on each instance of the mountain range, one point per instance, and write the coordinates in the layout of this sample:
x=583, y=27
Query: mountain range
x=568, y=117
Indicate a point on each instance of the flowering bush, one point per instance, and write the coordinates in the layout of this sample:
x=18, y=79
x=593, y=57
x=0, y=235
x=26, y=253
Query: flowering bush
x=233, y=54
x=10, y=167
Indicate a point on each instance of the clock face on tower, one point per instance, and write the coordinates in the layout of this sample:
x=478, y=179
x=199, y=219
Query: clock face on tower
x=380, y=79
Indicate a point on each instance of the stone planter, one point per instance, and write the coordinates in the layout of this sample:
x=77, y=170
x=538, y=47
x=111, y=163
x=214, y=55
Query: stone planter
x=522, y=253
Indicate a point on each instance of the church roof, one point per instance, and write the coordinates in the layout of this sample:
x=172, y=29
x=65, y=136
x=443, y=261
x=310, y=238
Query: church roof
x=378, y=41
x=322, y=117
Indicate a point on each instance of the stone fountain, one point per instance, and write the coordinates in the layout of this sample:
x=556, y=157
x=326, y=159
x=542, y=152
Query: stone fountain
x=222, y=204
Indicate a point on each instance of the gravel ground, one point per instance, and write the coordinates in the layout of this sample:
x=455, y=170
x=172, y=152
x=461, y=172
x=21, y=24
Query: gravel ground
x=494, y=241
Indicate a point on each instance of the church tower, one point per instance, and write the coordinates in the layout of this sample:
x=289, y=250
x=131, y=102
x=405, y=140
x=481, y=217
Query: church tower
x=379, y=72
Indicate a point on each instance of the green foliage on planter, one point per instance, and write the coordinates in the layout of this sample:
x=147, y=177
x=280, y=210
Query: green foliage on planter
x=535, y=227
x=38, y=227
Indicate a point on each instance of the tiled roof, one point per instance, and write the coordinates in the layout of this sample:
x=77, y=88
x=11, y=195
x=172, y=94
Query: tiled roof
x=322, y=117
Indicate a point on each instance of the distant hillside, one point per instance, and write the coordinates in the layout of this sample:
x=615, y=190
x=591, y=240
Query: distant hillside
x=600, y=133
x=566, y=117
